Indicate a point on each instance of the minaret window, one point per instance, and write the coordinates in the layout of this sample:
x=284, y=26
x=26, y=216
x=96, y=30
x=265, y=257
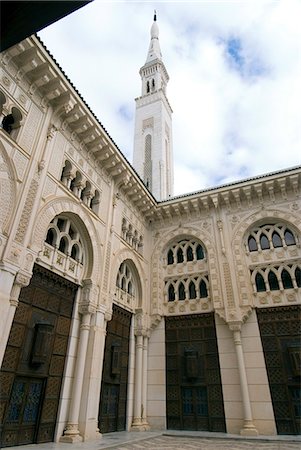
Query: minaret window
x=147, y=87
x=148, y=162
x=153, y=84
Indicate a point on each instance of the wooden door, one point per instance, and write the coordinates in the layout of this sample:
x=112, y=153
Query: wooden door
x=113, y=398
x=281, y=340
x=33, y=364
x=193, y=383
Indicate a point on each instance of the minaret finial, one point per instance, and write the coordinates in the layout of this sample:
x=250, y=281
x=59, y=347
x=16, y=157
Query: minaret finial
x=155, y=15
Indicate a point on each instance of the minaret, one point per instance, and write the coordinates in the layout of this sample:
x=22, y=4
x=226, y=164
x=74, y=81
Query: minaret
x=153, y=158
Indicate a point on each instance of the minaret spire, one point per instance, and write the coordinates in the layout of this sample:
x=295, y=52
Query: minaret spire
x=153, y=156
x=154, y=51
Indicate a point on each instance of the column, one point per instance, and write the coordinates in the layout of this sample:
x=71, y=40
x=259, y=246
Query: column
x=138, y=382
x=71, y=433
x=248, y=427
x=144, y=383
x=21, y=280
x=131, y=376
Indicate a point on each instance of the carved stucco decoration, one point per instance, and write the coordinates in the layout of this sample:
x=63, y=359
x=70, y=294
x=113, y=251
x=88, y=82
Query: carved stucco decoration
x=138, y=272
x=239, y=251
x=83, y=222
x=7, y=189
x=158, y=271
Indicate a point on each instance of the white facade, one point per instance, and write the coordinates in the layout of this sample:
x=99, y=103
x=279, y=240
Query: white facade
x=153, y=155
x=78, y=225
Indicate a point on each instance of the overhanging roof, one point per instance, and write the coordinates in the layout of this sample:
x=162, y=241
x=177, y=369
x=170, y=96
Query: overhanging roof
x=21, y=19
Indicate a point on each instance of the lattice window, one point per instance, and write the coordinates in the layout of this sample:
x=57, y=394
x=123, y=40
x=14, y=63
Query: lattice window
x=124, y=280
x=270, y=236
x=185, y=251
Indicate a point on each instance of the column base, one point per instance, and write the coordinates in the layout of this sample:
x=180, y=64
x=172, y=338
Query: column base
x=249, y=430
x=71, y=439
x=139, y=425
x=71, y=435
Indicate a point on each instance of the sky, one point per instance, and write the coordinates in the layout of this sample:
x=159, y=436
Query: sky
x=235, y=80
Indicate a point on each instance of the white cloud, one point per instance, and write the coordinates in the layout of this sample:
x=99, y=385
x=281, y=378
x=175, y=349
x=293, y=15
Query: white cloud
x=230, y=120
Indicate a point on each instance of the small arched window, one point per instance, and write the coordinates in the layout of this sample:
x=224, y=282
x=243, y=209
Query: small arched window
x=192, y=290
x=298, y=277
x=170, y=258
x=123, y=284
x=286, y=280
x=189, y=253
x=259, y=282
x=51, y=237
x=199, y=252
x=147, y=87
x=7, y=123
x=252, y=244
x=181, y=291
x=75, y=252
x=273, y=282
x=203, y=289
x=264, y=242
x=276, y=239
x=289, y=238
x=171, y=293
x=63, y=245
x=180, y=256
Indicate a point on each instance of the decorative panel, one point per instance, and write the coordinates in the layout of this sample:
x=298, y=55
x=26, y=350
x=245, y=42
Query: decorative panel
x=281, y=341
x=193, y=383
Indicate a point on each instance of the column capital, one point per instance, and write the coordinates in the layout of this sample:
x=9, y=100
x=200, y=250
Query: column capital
x=89, y=297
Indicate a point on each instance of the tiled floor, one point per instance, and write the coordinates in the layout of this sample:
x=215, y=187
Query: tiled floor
x=177, y=440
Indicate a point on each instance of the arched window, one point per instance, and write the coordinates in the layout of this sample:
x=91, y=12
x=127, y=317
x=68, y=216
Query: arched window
x=7, y=123
x=51, y=237
x=203, y=289
x=170, y=258
x=252, y=244
x=123, y=284
x=153, y=84
x=264, y=242
x=171, y=293
x=276, y=239
x=75, y=252
x=260, y=284
x=147, y=87
x=199, y=252
x=273, y=282
x=192, y=290
x=147, y=176
x=189, y=253
x=95, y=202
x=286, y=279
x=181, y=291
x=63, y=247
x=130, y=288
x=298, y=277
x=289, y=238
x=180, y=256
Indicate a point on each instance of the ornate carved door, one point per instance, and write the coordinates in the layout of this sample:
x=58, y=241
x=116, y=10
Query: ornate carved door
x=281, y=340
x=113, y=398
x=193, y=383
x=33, y=364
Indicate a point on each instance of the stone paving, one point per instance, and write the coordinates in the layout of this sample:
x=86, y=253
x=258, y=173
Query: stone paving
x=172, y=440
x=190, y=443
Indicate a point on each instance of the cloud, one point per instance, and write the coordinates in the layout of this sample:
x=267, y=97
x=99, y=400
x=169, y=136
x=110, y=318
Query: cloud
x=235, y=71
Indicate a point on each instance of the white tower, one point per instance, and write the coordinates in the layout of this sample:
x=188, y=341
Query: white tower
x=153, y=158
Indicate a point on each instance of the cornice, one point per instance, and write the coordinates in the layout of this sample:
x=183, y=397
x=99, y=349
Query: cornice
x=47, y=78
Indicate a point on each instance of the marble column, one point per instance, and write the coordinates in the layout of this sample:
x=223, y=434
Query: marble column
x=248, y=426
x=144, y=382
x=72, y=433
x=137, y=423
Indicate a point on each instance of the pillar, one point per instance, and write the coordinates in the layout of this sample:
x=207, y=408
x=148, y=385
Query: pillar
x=72, y=433
x=144, y=382
x=138, y=382
x=248, y=426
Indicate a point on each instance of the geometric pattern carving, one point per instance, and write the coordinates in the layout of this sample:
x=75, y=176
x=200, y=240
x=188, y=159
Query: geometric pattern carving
x=35, y=358
x=280, y=344
x=20, y=234
x=7, y=190
x=193, y=383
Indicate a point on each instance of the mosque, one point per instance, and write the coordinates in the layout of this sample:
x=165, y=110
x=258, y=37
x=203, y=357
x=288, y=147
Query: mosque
x=123, y=307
